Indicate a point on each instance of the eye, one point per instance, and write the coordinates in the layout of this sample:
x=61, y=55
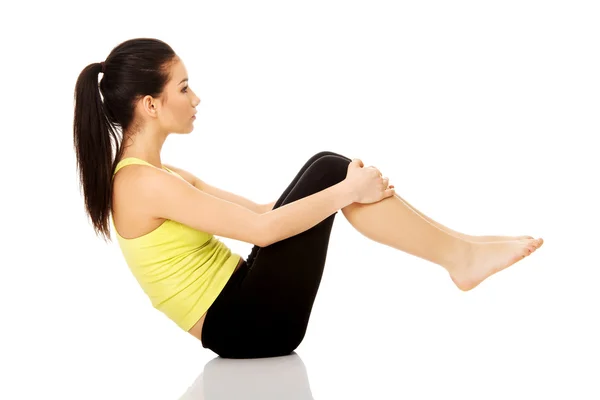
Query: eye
x=184, y=89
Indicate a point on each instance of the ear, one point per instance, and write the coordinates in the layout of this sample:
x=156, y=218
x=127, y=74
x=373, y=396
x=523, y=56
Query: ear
x=149, y=104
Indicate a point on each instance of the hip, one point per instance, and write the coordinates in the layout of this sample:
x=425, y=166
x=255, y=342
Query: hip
x=196, y=330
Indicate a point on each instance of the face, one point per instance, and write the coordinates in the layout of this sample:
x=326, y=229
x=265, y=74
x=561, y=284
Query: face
x=173, y=110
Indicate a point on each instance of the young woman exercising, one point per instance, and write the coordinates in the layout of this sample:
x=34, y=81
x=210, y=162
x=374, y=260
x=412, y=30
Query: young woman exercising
x=166, y=218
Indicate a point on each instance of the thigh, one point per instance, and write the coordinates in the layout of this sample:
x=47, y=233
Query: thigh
x=265, y=308
x=292, y=268
x=286, y=192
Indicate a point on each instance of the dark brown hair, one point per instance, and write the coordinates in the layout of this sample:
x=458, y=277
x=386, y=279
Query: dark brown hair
x=133, y=69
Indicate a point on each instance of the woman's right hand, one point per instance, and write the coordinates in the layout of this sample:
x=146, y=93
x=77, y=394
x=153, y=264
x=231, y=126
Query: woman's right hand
x=367, y=183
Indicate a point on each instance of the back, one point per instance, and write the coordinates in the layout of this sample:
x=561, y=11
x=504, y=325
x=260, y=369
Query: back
x=182, y=270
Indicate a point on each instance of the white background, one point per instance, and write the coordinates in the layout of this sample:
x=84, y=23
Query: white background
x=483, y=114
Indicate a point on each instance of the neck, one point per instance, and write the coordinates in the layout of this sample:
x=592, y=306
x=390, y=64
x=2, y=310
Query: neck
x=144, y=146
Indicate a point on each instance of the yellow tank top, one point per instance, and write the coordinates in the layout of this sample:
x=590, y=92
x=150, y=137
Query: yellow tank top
x=182, y=270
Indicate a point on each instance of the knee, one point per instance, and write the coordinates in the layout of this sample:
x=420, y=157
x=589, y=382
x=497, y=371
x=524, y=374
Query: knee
x=333, y=166
x=329, y=153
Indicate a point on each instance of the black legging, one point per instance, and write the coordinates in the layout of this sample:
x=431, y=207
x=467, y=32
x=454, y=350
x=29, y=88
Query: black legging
x=264, y=308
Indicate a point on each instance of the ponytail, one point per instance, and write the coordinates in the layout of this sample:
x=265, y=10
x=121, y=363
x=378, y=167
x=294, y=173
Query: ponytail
x=133, y=69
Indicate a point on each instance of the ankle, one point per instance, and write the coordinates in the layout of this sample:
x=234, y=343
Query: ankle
x=461, y=257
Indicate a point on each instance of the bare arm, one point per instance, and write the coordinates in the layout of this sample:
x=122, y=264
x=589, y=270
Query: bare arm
x=294, y=218
x=285, y=221
x=231, y=197
x=268, y=207
x=298, y=216
x=220, y=193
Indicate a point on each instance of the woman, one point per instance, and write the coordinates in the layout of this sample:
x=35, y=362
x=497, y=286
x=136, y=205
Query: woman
x=165, y=218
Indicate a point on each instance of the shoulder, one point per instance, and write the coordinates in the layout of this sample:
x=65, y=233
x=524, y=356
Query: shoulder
x=140, y=187
x=136, y=176
x=144, y=193
x=187, y=176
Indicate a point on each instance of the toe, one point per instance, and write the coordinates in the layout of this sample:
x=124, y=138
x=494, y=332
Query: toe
x=531, y=249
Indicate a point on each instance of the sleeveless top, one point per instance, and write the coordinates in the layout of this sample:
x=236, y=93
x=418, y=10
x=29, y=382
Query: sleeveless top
x=182, y=270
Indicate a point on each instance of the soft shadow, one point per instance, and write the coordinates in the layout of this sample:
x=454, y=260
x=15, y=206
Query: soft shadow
x=274, y=378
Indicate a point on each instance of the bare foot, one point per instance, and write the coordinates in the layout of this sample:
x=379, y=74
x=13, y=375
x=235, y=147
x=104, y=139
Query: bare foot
x=487, y=259
x=480, y=239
